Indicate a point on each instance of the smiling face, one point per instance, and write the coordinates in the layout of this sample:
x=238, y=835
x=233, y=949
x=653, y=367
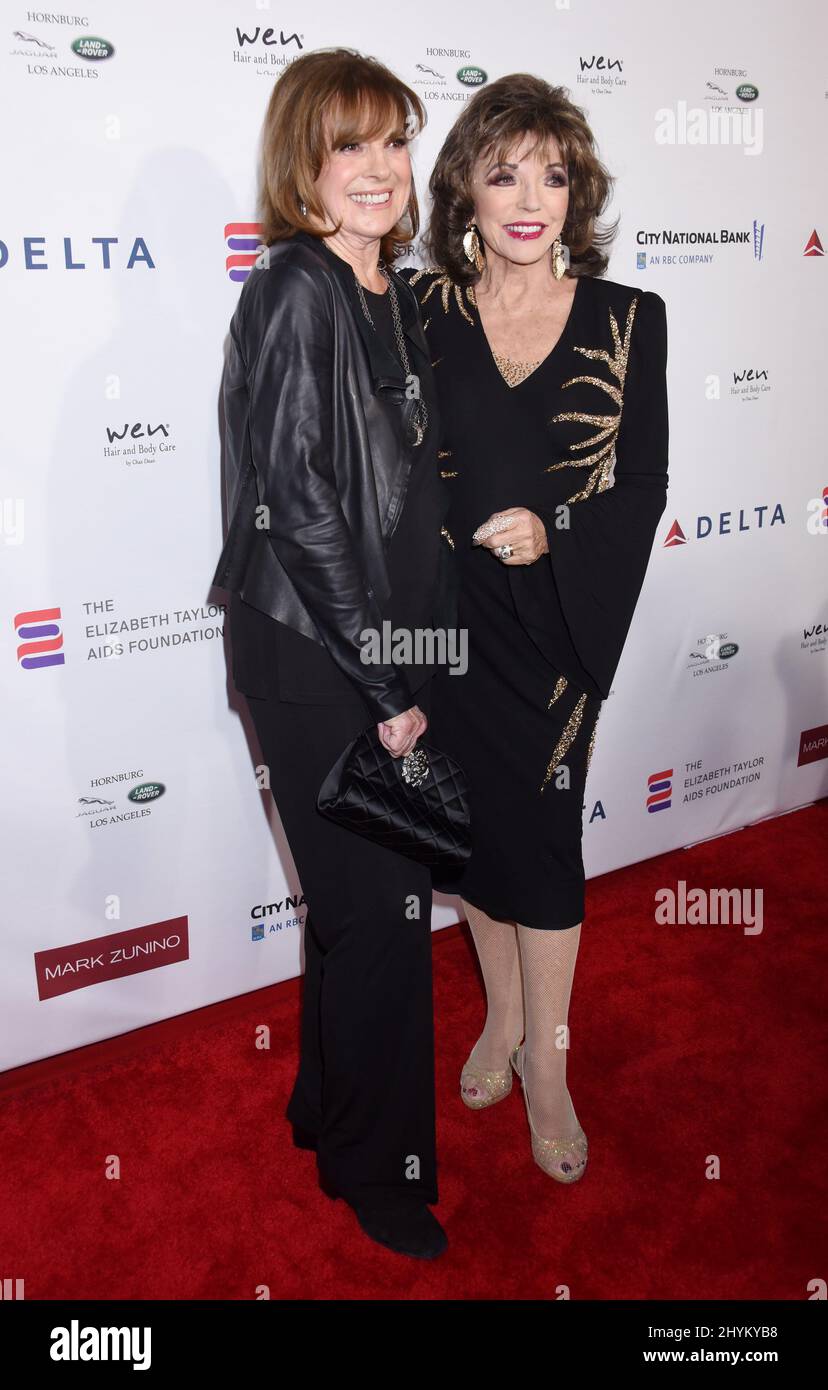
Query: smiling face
x=366, y=184
x=520, y=205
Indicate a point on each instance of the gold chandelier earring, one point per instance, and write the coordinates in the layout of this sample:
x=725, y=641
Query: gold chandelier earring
x=471, y=246
x=560, y=258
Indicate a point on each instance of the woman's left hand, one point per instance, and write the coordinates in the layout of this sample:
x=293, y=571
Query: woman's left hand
x=526, y=534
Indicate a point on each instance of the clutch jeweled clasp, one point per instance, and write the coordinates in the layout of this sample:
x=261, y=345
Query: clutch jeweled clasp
x=415, y=768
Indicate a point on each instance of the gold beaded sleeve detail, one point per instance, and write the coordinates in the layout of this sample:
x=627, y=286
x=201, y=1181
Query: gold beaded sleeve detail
x=601, y=457
x=599, y=549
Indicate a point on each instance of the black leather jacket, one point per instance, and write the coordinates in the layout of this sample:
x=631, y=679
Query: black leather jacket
x=318, y=452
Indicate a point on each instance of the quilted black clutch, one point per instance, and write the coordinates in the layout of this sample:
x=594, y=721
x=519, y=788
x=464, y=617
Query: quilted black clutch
x=417, y=805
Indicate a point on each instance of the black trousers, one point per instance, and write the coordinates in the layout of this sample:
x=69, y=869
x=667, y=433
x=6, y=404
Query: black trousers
x=365, y=1084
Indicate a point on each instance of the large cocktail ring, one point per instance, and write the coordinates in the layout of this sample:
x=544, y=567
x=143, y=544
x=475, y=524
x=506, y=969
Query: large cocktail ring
x=498, y=523
x=503, y=552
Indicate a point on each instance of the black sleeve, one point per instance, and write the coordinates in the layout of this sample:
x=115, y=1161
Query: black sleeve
x=286, y=335
x=598, y=561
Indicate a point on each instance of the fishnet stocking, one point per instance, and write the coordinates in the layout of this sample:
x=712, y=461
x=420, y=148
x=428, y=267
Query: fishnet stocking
x=548, y=963
x=497, y=950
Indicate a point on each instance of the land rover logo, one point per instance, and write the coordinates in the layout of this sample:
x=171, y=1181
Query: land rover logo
x=94, y=49
x=728, y=649
x=747, y=92
x=471, y=77
x=146, y=791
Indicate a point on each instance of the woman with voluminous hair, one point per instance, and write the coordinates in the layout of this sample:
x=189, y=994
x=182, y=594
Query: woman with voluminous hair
x=552, y=389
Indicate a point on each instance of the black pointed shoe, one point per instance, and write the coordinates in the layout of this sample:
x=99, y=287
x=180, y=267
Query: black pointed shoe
x=408, y=1229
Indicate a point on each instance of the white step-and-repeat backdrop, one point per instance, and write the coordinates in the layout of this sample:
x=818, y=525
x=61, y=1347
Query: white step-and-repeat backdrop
x=140, y=877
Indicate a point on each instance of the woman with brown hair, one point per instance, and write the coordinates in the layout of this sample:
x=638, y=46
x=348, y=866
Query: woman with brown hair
x=552, y=389
x=337, y=510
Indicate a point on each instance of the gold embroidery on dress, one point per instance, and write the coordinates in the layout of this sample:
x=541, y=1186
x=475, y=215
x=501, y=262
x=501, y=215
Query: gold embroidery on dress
x=560, y=687
x=447, y=287
x=442, y=278
x=601, y=459
x=571, y=728
x=514, y=371
x=448, y=536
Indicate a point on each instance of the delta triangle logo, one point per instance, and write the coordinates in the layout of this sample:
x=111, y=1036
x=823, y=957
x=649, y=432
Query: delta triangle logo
x=814, y=246
x=675, y=536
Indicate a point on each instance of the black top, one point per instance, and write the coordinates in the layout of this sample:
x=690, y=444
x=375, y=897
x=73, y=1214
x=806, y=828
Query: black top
x=412, y=553
x=582, y=441
x=270, y=658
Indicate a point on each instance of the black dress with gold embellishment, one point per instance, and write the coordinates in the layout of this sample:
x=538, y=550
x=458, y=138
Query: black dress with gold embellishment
x=580, y=438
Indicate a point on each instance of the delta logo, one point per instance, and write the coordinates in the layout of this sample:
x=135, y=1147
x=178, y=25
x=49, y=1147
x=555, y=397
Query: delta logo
x=40, y=254
x=726, y=524
x=813, y=246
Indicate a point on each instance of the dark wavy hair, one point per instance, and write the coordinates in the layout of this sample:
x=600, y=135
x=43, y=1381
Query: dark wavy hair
x=494, y=122
x=361, y=99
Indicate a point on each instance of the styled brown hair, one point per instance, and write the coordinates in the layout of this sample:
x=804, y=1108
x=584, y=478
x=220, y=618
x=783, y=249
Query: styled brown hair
x=494, y=122
x=361, y=99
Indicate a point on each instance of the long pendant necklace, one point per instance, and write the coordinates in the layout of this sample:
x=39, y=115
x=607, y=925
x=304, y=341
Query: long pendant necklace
x=420, y=416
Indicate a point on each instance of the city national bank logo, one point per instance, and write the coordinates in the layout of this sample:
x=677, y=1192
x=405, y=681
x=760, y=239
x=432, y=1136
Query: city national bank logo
x=749, y=519
x=243, y=241
x=36, y=256
x=40, y=638
x=62, y=969
x=283, y=915
x=669, y=237
x=659, y=790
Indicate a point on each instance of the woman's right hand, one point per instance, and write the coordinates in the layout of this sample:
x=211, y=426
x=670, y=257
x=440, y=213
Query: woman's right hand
x=400, y=733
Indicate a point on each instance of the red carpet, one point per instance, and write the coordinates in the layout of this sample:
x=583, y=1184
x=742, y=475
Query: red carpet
x=688, y=1041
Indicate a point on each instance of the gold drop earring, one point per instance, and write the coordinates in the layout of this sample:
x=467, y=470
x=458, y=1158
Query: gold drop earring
x=560, y=258
x=471, y=246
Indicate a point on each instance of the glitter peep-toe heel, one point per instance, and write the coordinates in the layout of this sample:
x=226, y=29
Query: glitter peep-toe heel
x=554, y=1156
x=480, y=1088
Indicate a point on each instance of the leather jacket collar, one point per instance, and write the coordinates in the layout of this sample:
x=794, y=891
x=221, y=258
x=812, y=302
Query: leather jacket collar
x=319, y=444
x=386, y=367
